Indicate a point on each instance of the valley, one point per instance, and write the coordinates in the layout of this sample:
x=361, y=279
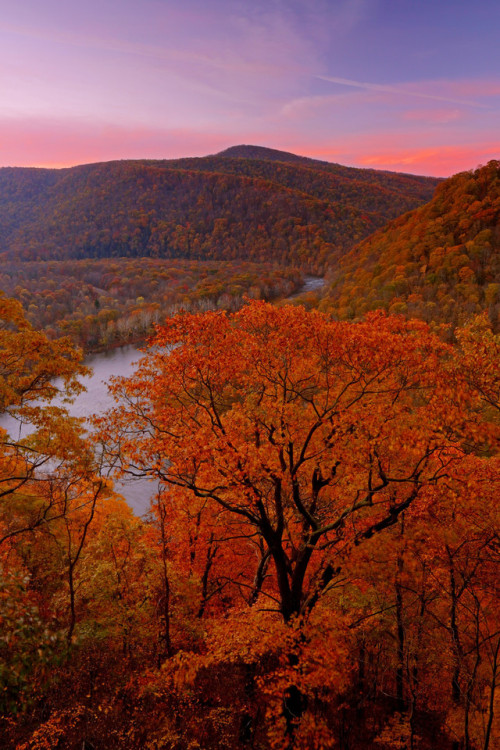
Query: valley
x=102, y=251
x=307, y=557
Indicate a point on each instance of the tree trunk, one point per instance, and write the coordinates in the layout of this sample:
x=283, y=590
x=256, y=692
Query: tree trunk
x=491, y=704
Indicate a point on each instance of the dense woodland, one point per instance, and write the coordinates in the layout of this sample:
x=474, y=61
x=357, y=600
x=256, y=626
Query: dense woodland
x=102, y=251
x=303, y=214
x=110, y=302
x=320, y=566
x=440, y=262
x=319, y=569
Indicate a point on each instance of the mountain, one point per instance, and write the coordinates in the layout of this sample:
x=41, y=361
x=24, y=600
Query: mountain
x=439, y=262
x=261, y=152
x=247, y=202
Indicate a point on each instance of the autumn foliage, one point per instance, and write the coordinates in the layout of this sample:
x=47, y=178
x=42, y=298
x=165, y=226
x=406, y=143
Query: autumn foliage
x=234, y=206
x=438, y=263
x=110, y=302
x=320, y=566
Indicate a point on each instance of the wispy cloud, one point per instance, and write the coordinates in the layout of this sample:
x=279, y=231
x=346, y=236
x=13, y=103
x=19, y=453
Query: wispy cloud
x=401, y=91
x=110, y=44
x=82, y=82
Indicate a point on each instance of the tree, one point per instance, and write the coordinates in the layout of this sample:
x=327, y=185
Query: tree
x=29, y=466
x=308, y=435
x=29, y=361
x=48, y=483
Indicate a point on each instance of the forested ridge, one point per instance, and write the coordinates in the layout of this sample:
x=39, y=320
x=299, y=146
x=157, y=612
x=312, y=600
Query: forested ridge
x=304, y=214
x=441, y=262
x=102, y=251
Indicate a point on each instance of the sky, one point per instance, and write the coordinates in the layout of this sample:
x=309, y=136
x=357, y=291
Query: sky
x=404, y=85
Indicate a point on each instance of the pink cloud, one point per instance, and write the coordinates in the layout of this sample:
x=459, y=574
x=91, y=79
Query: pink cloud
x=398, y=152
x=437, y=161
x=59, y=143
x=472, y=87
x=432, y=115
x=63, y=144
x=440, y=91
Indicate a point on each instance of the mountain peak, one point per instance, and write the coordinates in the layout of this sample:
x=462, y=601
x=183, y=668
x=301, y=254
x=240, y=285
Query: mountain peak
x=261, y=152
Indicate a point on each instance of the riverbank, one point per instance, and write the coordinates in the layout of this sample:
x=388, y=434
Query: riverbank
x=311, y=284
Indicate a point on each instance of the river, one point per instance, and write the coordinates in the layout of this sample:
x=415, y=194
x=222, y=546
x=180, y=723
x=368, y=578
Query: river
x=96, y=400
x=311, y=284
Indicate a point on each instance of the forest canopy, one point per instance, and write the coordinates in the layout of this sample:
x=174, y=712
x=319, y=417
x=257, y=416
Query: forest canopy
x=320, y=564
x=440, y=262
x=324, y=475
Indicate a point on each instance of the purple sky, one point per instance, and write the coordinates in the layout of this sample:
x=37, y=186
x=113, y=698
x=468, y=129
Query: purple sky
x=407, y=85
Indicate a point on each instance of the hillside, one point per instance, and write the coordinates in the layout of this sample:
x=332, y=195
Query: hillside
x=106, y=302
x=247, y=202
x=439, y=262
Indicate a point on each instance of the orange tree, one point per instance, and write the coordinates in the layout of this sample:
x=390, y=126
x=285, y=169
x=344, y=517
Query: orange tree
x=47, y=478
x=30, y=361
x=33, y=372
x=300, y=434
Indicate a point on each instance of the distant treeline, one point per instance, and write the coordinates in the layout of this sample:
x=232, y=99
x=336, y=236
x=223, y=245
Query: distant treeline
x=109, y=302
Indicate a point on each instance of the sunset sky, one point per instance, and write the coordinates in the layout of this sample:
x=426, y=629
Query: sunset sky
x=405, y=85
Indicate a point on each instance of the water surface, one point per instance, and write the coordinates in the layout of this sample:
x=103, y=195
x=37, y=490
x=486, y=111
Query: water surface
x=96, y=400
